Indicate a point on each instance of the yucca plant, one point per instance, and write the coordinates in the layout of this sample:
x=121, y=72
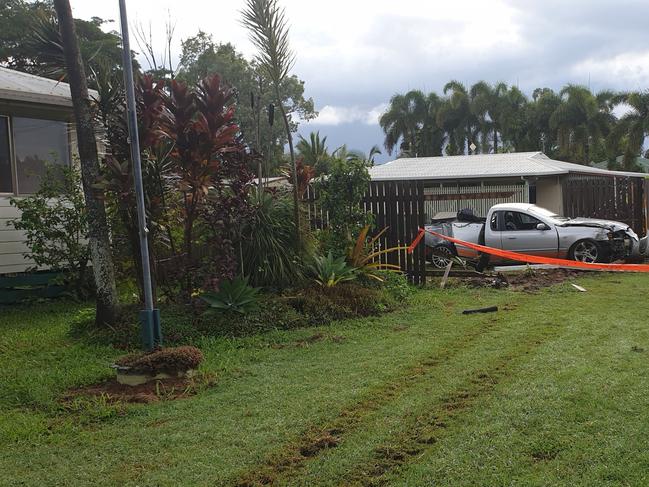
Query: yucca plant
x=363, y=254
x=235, y=295
x=267, y=243
x=329, y=271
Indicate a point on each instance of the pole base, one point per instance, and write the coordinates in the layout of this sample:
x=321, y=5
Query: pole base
x=150, y=330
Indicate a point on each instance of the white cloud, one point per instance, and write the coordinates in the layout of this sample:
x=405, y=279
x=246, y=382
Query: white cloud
x=337, y=115
x=629, y=68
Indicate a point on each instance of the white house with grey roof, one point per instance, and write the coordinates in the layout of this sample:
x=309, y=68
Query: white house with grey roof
x=35, y=129
x=482, y=180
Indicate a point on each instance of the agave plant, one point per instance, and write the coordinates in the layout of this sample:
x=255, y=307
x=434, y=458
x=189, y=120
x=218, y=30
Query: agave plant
x=363, y=255
x=235, y=295
x=329, y=271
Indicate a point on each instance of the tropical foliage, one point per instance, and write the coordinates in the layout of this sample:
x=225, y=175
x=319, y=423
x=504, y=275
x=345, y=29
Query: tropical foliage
x=235, y=295
x=201, y=56
x=31, y=41
x=55, y=223
x=340, y=194
x=365, y=255
x=328, y=271
x=268, y=251
x=268, y=28
x=573, y=124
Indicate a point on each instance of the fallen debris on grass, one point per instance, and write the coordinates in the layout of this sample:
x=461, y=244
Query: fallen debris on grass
x=489, y=309
x=523, y=281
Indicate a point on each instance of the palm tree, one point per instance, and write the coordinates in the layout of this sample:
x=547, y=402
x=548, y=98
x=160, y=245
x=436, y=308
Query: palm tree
x=581, y=121
x=488, y=105
x=313, y=150
x=540, y=135
x=513, y=118
x=455, y=117
x=632, y=127
x=374, y=151
x=431, y=137
x=268, y=29
x=107, y=301
x=403, y=120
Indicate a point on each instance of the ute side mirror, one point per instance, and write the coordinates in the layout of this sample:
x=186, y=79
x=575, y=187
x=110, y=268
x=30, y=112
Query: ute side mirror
x=542, y=226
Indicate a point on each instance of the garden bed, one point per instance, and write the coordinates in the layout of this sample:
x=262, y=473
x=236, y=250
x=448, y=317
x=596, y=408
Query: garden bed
x=149, y=392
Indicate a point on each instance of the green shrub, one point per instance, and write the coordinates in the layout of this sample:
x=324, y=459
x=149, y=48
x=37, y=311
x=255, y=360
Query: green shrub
x=269, y=255
x=395, y=284
x=234, y=296
x=274, y=313
x=329, y=271
x=341, y=196
x=349, y=300
x=55, y=223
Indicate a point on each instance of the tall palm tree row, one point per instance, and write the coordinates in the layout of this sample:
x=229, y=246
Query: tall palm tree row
x=573, y=124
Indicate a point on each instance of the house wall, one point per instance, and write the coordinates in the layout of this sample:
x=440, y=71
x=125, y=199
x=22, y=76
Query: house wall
x=12, y=246
x=549, y=195
x=480, y=196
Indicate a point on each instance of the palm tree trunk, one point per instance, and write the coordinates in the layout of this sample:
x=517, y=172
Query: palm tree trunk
x=107, y=302
x=495, y=140
x=296, y=197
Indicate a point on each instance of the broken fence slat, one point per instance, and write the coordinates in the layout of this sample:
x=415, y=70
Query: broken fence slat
x=578, y=288
x=446, y=273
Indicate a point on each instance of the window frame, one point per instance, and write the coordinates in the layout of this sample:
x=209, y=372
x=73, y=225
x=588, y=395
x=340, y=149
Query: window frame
x=519, y=229
x=12, y=150
x=12, y=162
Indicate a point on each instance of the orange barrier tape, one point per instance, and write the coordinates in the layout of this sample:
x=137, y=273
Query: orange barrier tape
x=532, y=259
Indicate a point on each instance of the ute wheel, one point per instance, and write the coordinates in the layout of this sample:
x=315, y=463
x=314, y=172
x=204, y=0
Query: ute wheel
x=441, y=255
x=586, y=251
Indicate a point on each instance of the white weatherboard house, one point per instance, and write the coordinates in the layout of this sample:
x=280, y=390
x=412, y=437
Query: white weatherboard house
x=35, y=128
x=479, y=181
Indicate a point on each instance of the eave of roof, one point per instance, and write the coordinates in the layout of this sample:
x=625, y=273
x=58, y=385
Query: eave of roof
x=483, y=166
x=28, y=88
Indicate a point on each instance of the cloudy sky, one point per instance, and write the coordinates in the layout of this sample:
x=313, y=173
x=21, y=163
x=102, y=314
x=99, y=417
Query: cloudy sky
x=355, y=54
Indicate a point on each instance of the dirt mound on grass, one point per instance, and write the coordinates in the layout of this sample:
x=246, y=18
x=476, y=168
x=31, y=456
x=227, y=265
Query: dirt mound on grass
x=524, y=281
x=540, y=278
x=154, y=391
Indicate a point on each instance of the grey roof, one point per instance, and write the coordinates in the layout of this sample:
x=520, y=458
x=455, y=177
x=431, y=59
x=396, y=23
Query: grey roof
x=18, y=86
x=513, y=164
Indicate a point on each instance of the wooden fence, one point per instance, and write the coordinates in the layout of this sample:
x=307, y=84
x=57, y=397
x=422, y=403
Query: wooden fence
x=398, y=205
x=612, y=198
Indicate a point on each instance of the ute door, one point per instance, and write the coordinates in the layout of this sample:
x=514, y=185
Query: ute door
x=493, y=233
x=521, y=232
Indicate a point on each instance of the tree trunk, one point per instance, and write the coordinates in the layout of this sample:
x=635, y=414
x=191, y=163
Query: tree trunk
x=296, y=197
x=495, y=140
x=102, y=261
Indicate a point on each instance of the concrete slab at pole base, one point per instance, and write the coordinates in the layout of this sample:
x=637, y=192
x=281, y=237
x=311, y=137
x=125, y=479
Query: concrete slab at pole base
x=136, y=379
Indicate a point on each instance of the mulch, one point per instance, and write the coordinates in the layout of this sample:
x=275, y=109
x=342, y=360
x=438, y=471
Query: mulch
x=523, y=281
x=154, y=391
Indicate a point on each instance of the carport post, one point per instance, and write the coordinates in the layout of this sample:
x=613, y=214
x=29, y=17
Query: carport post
x=149, y=317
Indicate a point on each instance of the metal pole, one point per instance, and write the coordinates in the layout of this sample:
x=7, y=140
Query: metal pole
x=149, y=317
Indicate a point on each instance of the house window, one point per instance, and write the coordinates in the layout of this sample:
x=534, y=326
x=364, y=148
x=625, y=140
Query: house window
x=5, y=157
x=36, y=143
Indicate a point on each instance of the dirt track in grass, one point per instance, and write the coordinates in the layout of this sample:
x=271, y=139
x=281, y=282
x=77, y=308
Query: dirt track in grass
x=287, y=462
x=427, y=429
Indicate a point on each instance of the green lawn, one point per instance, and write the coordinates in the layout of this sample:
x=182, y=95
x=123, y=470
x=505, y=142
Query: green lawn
x=551, y=390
